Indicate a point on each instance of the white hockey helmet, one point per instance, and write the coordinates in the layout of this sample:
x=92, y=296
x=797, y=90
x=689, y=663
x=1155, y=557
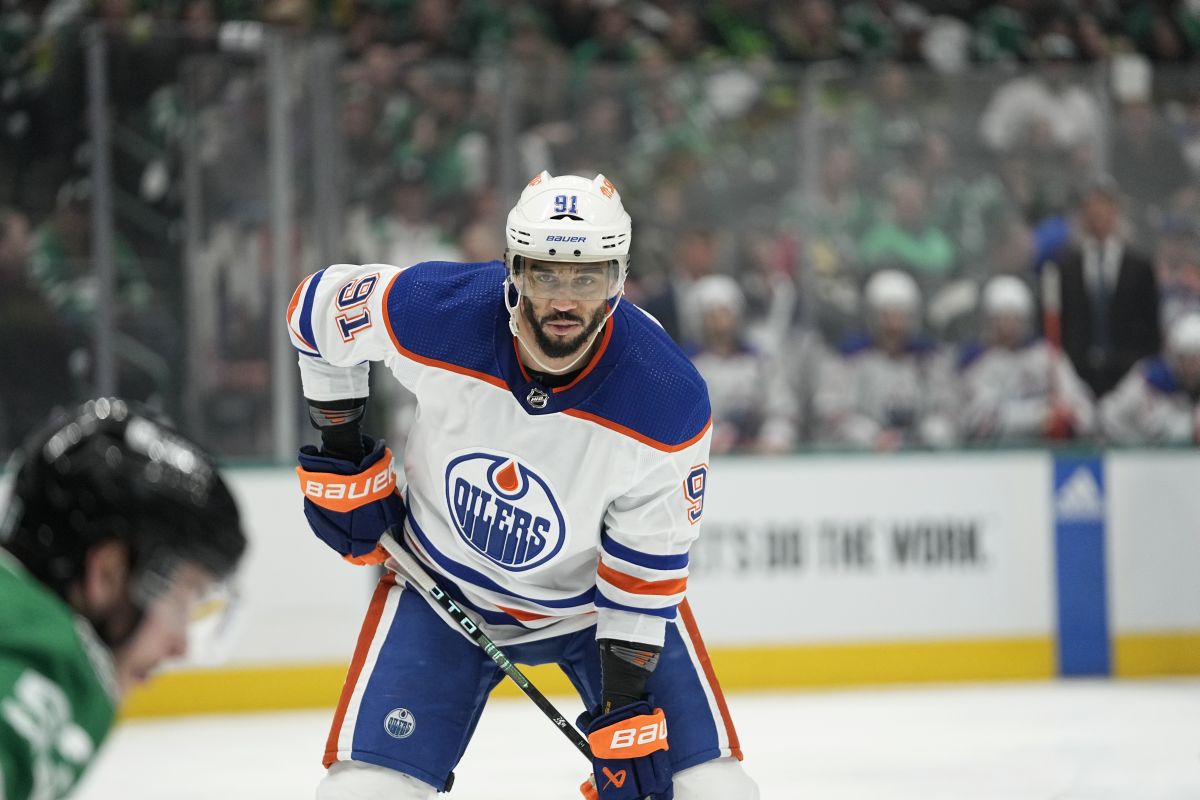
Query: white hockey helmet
x=1183, y=337
x=718, y=291
x=1007, y=295
x=892, y=290
x=569, y=218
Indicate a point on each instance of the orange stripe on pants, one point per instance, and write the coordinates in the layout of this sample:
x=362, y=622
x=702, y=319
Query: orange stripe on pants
x=689, y=622
x=365, y=636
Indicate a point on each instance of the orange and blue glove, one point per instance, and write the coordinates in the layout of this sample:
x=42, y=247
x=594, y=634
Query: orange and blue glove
x=629, y=754
x=350, y=506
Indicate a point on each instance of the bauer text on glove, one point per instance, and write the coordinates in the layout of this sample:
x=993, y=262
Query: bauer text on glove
x=349, y=506
x=629, y=753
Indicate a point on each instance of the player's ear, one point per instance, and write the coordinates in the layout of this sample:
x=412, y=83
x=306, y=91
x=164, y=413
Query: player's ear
x=105, y=576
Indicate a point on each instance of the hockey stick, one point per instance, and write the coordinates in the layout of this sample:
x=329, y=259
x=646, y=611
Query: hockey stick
x=419, y=578
x=1052, y=328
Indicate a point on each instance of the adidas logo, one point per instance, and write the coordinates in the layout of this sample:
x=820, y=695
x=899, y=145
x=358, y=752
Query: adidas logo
x=1080, y=497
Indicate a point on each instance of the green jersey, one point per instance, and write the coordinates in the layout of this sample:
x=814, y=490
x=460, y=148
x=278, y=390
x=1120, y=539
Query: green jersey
x=57, y=691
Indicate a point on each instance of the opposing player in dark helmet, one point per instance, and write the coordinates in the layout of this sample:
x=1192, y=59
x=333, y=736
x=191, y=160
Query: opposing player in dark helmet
x=116, y=531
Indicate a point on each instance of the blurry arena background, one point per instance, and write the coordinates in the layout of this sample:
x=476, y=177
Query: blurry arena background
x=170, y=170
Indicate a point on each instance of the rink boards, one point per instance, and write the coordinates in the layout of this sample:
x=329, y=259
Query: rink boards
x=817, y=570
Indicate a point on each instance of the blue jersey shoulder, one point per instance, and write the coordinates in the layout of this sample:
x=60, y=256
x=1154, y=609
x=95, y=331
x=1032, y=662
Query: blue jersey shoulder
x=971, y=352
x=860, y=343
x=975, y=350
x=1157, y=372
x=447, y=312
x=653, y=389
x=855, y=344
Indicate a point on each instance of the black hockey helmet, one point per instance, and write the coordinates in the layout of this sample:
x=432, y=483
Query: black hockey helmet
x=113, y=470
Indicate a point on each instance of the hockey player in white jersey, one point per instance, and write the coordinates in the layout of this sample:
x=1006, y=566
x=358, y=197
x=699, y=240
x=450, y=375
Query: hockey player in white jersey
x=1015, y=386
x=553, y=483
x=753, y=407
x=889, y=387
x=1158, y=401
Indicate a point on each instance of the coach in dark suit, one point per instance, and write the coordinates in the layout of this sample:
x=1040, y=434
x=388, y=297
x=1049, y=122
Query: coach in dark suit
x=1110, y=304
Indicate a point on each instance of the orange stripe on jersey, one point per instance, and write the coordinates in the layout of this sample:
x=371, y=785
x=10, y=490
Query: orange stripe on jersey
x=430, y=362
x=523, y=616
x=689, y=622
x=628, y=583
x=631, y=433
x=608, y=329
x=292, y=307
x=365, y=637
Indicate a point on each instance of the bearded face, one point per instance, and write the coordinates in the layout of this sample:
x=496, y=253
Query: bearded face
x=560, y=334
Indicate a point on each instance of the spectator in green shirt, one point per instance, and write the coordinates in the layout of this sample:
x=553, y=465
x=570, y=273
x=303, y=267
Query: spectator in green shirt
x=905, y=238
x=62, y=264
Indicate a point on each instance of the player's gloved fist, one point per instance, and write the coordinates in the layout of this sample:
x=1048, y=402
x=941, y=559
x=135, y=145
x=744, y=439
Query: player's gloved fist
x=629, y=753
x=349, y=506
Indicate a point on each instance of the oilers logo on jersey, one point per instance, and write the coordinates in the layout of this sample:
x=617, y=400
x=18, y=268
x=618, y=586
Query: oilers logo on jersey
x=504, y=510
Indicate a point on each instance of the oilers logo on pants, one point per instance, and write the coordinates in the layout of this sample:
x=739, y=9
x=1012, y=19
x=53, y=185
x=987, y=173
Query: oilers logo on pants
x=400, y=723
x=505, y=511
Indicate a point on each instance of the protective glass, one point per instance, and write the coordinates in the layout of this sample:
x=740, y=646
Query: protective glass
x=543, y=280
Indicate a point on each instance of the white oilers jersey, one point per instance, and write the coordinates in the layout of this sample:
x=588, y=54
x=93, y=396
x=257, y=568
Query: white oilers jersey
x=864, y=391
x=1008, y=393
x=1149, y=406
x=543, y=510
x=752, y=401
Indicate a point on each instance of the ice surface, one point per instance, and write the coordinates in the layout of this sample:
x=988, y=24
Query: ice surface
x=1091, y=740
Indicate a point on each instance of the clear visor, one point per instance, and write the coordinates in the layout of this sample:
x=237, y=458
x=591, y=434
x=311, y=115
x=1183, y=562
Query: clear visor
x=212, y=625
x=185, y=599
x=555, y=280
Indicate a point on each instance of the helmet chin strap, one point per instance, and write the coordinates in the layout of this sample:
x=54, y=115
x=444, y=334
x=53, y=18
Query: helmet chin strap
x=530, y=349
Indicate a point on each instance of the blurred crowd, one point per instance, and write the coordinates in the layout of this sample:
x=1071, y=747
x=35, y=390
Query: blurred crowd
x=851, y=215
